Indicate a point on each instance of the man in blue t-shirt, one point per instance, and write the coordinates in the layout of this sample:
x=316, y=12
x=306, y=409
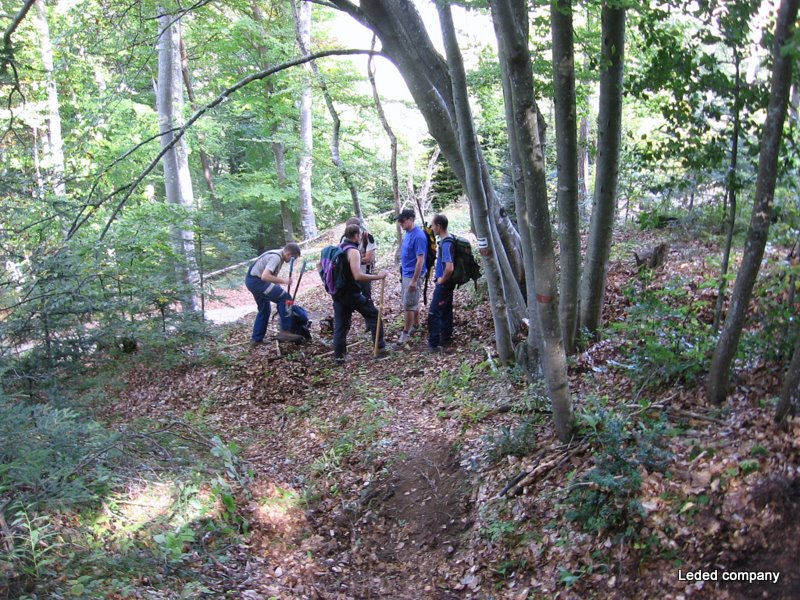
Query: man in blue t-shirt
x=440, y=312
x=412, y=268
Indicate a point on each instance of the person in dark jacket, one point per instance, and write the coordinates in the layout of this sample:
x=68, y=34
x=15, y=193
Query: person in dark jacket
x=351, y=298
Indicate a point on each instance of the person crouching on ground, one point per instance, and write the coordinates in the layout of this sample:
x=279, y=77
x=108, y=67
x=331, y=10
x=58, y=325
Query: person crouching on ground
x=351, y=298
x=265, y=284
x=412, y=266
x=440, y=312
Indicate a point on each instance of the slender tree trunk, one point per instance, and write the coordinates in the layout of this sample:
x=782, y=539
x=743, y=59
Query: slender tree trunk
x=609, y=131
x=790, y=392
x=718, y=376
x=393, y=145
x=55, y=146
x=177, y=177
x=513, y=45
x=308, y=220
x=205, y=162
x=583, y=168
x=336, y=157
x=37, y=169
x=567, y=158
x=732, y=185
x=475, y=190
x=278, y=148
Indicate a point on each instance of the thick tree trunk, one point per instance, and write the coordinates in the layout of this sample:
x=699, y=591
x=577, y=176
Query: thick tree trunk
x=567, y=159
x=475, y=189
x=732, y=185
x=513, y=44
x=55, y=145
x=308, y=220
x=407, y=44
x=609, y=130
x=177, y=177
x=717, y=384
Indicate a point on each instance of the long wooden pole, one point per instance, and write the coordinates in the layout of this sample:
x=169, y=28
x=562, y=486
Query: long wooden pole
x=380, y=320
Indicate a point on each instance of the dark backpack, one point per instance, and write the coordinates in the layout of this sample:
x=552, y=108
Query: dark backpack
x=465, y=267
x=333, y=267
x=300, y=323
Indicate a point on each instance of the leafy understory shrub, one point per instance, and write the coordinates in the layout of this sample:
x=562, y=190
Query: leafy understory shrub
x=667, y=340
x=605, y=498
x=88, y=509
x=518, y=441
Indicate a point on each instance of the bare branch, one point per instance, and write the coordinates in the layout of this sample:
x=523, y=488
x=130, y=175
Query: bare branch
x=7, y=51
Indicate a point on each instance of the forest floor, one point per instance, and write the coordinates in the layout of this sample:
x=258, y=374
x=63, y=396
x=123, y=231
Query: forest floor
x=420, y=476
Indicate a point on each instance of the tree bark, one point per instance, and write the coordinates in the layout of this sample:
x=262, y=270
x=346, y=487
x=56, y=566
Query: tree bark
x=790, y=392
x=732, y=185
x=177, y=177
x=407, y=44
x=336, y=157
x=513, y=44
x=55, y=145
x=308, y=220
x=583, y=168
x=609, y=131
x=567, y=166
x=475, y=189
x=205, y=162
x=718, y=377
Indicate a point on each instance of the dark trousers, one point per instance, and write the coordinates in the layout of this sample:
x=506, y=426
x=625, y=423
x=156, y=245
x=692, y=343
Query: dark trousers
x=343, y=308
x=440, y=316
x=264, y=294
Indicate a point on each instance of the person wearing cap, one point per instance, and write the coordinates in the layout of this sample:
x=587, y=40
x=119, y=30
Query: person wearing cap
x=413, y=269
x=367, y=249
x=264, y=283
x=351, y=298
x=440, y=312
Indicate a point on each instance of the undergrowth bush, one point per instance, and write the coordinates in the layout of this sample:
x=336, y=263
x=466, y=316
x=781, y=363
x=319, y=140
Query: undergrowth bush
x=666, y=340
x=88, y=509
x=605, y=499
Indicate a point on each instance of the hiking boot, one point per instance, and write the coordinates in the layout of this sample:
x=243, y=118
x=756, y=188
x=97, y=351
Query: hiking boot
x=403, y=339
x=255, y=344
x=285, y=336
x=414, y=329
x=437, y=350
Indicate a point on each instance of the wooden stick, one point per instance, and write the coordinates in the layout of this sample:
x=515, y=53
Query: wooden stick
x=380, y=320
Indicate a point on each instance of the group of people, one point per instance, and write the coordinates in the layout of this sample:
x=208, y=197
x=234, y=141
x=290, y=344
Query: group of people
x=264, y=282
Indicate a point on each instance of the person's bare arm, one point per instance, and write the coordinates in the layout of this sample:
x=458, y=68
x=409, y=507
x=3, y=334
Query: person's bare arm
x=417, y=271
x=353, y=258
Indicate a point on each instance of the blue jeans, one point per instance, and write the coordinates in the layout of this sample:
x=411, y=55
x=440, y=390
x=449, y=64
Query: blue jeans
x=440, y=316
x=344, y=306
x=264, y=293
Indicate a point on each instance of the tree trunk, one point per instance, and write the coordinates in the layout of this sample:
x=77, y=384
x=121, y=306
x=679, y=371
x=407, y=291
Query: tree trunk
x=790, y=392
x=407, y=44
x=177, y=177
x=308, y=220
x=336, y=157
x=717, y=384
x=609, y=129
x=583, y=168
x=475, y=189
x=278, y=148
x=205, y=162
x=732, y=185
x=55, y=145
x=513, y=46
x=567, y=159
